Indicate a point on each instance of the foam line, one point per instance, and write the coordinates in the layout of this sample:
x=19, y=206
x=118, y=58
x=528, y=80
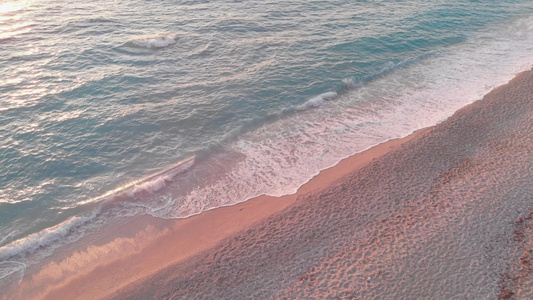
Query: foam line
x=7, y=268
x=151, y=183
x=46, y=237
x=159, y=41
x=56, y=234
x=318, y=100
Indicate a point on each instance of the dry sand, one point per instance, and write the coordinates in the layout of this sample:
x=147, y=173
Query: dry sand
x=442, y=214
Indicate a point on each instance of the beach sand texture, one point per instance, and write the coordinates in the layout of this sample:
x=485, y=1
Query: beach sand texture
x=435, y=219
x=442, y=214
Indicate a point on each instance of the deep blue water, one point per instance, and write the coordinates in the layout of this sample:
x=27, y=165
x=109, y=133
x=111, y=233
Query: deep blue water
x=256, y=96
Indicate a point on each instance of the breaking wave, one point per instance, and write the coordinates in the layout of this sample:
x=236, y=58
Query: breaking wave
x=318, y=100
x=153, y=42
x=44, y=242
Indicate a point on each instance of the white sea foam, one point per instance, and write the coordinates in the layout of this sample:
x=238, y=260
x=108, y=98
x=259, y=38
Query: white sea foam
x=157, y=181
x=149, y=186
x=318, y=100
x=349, y=83
x=44, y=243
x=11, y=274
x=151, y=183
x=7, y=268
x=46, y=237
x=158, y=41
x=281, y=156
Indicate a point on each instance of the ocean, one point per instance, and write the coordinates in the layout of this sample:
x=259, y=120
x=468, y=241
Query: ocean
x=115, y=109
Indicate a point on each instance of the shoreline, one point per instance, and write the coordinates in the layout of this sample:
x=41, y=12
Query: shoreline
x=184, y=238
x=215, y=226
x=159, y=251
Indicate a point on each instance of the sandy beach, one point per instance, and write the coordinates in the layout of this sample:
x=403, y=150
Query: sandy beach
x=442, y=214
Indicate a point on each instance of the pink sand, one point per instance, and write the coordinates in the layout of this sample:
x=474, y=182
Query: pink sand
x=441, y=214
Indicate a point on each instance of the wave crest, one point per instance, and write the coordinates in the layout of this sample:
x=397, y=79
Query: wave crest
x=154, y=42
x=318, y=100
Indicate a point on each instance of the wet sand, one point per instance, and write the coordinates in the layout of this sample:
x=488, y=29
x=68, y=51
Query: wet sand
x=444, y=213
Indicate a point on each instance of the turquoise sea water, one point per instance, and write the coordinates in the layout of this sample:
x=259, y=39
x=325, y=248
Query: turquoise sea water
x=123, y=108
